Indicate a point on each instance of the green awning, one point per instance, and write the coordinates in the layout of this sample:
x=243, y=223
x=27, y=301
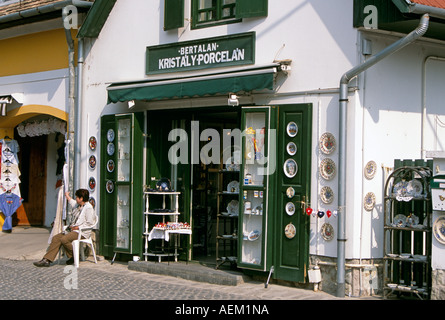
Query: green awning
x=200, y=85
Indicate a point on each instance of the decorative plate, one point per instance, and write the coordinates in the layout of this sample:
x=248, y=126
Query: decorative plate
x=253, y=235
x=110, y=135
x=439, y=229
x=110, y=149
x=92, y=162
x=290, y=231
x=401, y=188
x=415, y=188
x=290, y=192
x=369, y=201
x=163, y=184
x=92, y=201
x=327, y=143
x=233, y=207
x=327, y=195
x=291, y=148
x=109, y=186
x=327, y=231
x=92, y=183
x=399, y=221
x=233, y=187
x=290, y=208
x=370, y=170
x=292, y=129
x=290, y=168
x=92, y=143
x=327, y=169
x=110, y=165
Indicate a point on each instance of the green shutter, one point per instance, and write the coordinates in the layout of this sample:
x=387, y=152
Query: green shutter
x=251, y=8
x=173, y=14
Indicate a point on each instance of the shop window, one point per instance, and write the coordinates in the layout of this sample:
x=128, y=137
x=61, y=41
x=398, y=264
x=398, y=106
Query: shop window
x=205, y=13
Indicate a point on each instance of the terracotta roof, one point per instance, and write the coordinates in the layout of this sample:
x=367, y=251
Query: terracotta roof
x=25, y=4
x=432, y=3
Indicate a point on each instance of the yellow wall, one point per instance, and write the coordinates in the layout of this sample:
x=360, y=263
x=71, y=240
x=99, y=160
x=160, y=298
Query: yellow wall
x=37, y=52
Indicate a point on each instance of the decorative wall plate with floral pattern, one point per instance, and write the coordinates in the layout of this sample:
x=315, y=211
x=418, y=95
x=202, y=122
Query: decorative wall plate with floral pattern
x=92, y=143
x=327, y=169
x=327, y=143
x=369, y=201
x=439, y=229
x=290, y=231
x=326, y=195
x=370, y=170
x=327, y=231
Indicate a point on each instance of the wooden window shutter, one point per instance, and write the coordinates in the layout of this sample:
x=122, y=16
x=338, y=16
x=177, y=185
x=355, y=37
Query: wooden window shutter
x=251, y=8
x=173, y=14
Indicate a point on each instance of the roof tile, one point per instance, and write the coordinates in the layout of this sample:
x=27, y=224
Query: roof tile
x=432, y=3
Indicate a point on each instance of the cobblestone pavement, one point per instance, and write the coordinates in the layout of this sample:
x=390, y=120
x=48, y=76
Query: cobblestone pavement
x=21, y=280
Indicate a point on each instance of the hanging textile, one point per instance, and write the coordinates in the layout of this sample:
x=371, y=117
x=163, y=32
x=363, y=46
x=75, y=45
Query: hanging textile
x=58, y=221
x=9, y=203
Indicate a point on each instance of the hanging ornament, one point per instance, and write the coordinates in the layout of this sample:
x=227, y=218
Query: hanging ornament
x=320, y=214
x=329, y=213
x=309, y=211
x=335, y=213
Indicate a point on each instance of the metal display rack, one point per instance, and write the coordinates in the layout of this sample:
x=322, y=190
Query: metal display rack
x=407, y=233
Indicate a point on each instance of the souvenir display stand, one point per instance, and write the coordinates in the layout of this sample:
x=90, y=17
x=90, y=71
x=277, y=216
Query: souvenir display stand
x=227, y=214
x=407, y=232
x=163, y=230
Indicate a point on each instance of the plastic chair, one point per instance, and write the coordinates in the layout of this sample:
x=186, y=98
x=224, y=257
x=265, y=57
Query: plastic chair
x=76, y=245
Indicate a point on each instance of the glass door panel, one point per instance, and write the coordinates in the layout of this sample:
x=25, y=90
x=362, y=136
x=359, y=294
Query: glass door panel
x=124, y=145
x=254, y=148
x=123, y=217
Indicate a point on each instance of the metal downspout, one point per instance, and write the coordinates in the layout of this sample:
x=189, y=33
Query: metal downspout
x=343, y=101
x=78, y=114
x=71, y=106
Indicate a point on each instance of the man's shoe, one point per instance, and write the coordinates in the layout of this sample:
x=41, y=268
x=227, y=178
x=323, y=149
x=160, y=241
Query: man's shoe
x=70, y=261
x=43, y=263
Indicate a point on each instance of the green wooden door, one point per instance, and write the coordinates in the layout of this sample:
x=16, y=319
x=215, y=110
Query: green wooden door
x=293, y=188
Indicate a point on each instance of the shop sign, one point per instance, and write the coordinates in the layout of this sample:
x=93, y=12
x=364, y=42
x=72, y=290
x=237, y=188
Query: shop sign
x=224, y=51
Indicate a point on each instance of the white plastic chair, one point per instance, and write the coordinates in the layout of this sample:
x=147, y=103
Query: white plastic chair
x=76, y=245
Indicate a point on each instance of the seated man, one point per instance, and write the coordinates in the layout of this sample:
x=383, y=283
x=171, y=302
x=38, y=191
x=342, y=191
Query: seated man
x=83, y=217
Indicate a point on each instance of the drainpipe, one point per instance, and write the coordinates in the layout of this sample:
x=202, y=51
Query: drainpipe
x=343, y=93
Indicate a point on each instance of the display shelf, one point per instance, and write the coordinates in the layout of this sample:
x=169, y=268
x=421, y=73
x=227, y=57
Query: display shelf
x=407, y=232
x=227, y=220
x=168, y=228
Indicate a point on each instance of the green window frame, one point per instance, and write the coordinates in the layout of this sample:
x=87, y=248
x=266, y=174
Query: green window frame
x=207, y=13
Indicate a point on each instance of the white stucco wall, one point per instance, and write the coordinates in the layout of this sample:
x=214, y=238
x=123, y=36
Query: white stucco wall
x=384, y=117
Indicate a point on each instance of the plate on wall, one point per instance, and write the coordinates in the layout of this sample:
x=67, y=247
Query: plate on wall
x=292, y=129
x=327, y=231
x=92, y=162
x=92, y=183
x=290, y=192
x=439, y=229
x=110, y=135
x=290, y=168
x=327, y=143
x=110, y=165
x=290, y=208
x=110, y=149
x=369, y=201
x=327, y=169
x=326, y=195
x=291, y=148
x=290, y=231
x=370, y=170
x=92, y=143
x=109, y=186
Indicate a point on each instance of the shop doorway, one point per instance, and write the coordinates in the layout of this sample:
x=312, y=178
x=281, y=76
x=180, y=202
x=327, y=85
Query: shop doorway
x=32, y=165
x=197, y=181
